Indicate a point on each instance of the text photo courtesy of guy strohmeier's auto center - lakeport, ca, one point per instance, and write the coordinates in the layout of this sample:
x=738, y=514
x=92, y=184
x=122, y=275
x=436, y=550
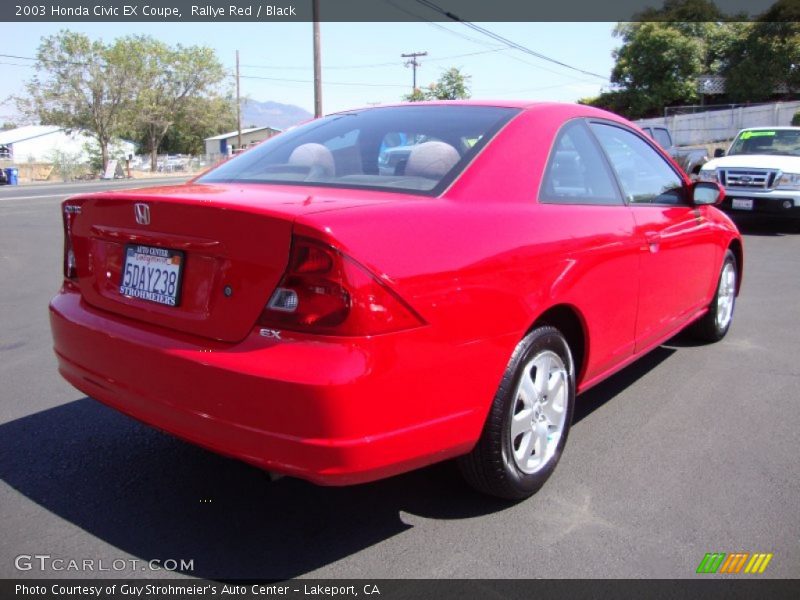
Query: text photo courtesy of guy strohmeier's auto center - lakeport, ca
x=399, y=298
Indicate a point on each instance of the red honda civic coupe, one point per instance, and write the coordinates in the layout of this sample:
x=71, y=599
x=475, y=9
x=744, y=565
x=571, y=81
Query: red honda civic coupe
x=385, y=288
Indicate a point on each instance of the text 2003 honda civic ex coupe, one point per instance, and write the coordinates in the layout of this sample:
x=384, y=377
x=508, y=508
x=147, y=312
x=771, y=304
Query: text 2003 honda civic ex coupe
x=318, y=310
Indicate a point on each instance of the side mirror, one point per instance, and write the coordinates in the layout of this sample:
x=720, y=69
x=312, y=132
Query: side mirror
x=719, y=152
x=707, y=193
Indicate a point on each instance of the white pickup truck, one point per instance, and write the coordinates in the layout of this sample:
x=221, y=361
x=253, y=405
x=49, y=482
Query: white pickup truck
x=760, y=171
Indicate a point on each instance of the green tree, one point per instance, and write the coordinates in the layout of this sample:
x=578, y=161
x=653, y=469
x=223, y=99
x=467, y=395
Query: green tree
x=177, y=84
x=201, y=118
x=81, y=84
x=451, y=85
x=689, y=14
x=764, y=58
x=66, y=164
x=416, y=96
x=657, y=65
x=664, y=52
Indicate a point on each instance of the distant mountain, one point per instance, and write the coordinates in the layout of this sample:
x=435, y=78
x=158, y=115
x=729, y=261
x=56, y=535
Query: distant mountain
x=272, y=114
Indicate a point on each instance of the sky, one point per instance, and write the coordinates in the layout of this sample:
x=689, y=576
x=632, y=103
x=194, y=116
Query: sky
x=361, y=61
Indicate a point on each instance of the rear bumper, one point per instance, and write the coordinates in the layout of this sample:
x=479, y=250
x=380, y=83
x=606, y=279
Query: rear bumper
x=334, y=412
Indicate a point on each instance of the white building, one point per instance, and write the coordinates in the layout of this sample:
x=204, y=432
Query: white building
x=220, y=146
x=40, y=143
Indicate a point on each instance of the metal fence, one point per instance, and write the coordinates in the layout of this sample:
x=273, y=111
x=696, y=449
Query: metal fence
x=717, y=124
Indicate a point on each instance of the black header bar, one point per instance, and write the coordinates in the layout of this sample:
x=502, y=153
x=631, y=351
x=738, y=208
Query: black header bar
x=281, y=11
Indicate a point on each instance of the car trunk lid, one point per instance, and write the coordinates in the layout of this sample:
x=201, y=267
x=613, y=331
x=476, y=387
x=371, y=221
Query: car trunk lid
x=228, y=246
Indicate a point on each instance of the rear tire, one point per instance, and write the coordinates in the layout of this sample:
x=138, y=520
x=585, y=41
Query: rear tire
x=713, y=326
x=529, y=420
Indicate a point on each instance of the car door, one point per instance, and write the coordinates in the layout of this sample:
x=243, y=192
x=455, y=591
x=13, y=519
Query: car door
x=580, y=200
x=678, y=253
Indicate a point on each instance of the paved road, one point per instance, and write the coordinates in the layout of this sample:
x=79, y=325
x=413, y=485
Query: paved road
x=694, y=449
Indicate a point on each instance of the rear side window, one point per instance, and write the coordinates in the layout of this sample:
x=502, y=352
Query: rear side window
x=576, y=172
x=645, y=177
x=405, y=148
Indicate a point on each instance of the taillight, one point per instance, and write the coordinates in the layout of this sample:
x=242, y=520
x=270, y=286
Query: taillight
x=71, y=210
x=323, y=291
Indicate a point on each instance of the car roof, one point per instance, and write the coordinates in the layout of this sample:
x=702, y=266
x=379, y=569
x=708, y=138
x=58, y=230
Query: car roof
x=563, y=110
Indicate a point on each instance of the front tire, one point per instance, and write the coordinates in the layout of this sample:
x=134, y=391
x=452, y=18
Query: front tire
x=713, y=326
x=527, y=426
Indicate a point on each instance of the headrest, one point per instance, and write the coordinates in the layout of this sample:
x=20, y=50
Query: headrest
x=431, y=160
x=315, y=156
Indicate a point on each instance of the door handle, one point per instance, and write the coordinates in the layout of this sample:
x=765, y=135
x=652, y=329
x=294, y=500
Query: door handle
x=653, y=239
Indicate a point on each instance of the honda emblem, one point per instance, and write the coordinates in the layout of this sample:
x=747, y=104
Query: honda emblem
x=142, y=212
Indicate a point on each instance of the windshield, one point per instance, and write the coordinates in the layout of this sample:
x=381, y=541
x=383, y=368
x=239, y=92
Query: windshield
x=409, y=148
x=785, y=142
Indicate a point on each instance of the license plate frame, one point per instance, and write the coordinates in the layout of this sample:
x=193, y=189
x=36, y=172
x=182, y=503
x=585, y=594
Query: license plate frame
x=166, y=261
x=742, y=203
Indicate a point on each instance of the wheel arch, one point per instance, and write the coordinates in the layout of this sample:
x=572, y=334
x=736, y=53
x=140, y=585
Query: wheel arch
x=738, y=252
x=570, y=322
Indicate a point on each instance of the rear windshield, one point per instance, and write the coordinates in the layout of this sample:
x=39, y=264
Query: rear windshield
x=404, y=148
x=785, y=142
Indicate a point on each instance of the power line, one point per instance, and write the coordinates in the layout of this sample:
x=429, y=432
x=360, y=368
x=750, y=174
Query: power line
x=473, y=40
x=536, y=89
x=230, y=74
x=352, y=83
x=47, y=60
x=503, y=40
x=393, y=63
x=405, y=11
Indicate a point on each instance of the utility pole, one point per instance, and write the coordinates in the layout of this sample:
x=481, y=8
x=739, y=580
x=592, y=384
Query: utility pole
x=238, y=105
x=317, y=62
x=414, y=64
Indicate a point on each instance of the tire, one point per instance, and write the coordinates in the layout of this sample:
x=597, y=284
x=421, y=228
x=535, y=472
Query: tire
x=526, y=430
x=713, y=326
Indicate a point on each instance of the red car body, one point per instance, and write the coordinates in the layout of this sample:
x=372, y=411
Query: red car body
x=475, y=267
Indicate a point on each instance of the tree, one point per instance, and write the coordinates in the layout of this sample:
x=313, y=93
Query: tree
x=764, y=58
x=657, y=65
x=689, y=14
x=416, y=96
x=664, y=52
x=451, y=85
x=177, y=83
x=81, y=84
x=67, y=164
x=201, y=118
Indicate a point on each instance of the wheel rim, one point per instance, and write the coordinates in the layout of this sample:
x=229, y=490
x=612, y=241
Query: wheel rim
x=726, y=295
x=539, y=411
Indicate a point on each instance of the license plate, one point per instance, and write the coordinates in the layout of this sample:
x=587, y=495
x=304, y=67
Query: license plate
x=152, y=274
x=742, y=203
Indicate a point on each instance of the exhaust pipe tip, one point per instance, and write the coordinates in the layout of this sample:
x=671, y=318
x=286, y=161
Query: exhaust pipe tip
x=272, y=476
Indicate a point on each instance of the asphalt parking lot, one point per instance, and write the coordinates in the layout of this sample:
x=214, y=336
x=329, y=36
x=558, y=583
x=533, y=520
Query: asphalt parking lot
x=694, y=449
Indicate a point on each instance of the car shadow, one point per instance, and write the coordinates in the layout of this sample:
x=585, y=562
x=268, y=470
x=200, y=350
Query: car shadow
x=156, y=497
x=607, y=390
x=766, y=226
